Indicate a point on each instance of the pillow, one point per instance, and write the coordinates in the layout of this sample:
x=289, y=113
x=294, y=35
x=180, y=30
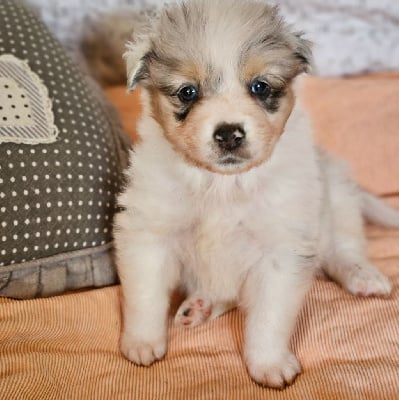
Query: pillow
x=62, y=154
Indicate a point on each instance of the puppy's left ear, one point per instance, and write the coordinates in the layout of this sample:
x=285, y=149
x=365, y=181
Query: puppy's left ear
x=303, y=53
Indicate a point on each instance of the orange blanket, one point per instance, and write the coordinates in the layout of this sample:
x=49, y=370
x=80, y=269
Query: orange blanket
x=66, y=347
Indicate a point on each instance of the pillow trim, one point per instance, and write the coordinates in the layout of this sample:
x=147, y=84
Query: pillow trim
x=97, y=262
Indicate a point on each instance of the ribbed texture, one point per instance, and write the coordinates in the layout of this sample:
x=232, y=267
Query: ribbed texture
x=67, y=348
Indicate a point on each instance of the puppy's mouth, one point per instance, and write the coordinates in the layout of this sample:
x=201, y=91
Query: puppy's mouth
x=231, y=164
x=230, y=160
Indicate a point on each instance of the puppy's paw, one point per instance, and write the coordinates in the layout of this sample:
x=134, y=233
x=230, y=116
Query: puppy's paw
x=192, y=312
x=367, y=281
x=277, y=373
x=142, y=351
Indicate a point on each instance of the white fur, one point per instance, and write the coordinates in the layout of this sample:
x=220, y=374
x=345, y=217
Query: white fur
x=247, y=239
x=252, y=239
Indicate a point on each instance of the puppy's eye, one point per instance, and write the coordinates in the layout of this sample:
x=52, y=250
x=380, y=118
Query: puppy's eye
x=260, y=88
x=187, y=94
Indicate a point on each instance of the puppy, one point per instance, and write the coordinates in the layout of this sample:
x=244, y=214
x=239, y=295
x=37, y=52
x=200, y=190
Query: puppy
x=228, y=195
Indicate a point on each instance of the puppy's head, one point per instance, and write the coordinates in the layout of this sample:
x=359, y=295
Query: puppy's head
x=219, y=77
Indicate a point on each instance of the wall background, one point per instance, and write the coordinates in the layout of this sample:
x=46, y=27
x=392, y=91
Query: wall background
x=350, y=36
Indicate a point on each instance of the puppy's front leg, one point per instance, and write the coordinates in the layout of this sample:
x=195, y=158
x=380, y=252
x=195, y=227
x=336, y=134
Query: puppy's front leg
x=145, y=284
x=273, y=295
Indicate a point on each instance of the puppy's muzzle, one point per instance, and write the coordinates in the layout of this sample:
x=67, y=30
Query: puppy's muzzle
x=229, y=137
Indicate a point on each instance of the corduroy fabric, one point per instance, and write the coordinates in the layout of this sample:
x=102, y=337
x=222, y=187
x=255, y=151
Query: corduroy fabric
x=67, y=347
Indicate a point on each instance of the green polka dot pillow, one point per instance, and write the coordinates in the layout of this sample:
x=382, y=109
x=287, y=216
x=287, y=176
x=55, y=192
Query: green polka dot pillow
x=61, y=161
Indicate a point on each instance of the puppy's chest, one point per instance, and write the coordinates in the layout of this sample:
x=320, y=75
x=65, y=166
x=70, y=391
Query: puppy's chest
x=220, y=237
x=223, y=217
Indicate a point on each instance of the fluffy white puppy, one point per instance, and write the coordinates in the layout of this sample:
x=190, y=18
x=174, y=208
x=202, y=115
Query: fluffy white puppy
x=227, y=194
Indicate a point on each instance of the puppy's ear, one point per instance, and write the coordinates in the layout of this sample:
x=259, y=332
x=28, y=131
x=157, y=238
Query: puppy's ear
x=137, y=57
x=138, y=51
x=303, y=53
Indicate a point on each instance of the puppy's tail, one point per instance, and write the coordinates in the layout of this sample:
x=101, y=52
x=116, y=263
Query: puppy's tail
x=377, y=212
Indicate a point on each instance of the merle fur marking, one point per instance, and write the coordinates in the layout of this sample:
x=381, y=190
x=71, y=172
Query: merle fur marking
x=182, y=115
x=272, y=102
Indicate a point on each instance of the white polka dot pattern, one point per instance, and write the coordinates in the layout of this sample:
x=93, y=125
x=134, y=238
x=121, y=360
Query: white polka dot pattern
x=26, y=109
x=60, y=197
x=15, y=106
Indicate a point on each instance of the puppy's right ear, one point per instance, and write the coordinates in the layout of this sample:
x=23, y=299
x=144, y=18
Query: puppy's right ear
x=137, y=59
x=138, y=51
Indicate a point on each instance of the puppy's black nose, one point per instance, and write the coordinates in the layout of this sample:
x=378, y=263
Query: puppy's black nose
x=229, y=136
